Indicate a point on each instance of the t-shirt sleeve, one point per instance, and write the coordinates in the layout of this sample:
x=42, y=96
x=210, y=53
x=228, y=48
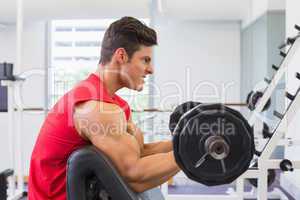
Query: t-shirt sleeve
x=125, y=106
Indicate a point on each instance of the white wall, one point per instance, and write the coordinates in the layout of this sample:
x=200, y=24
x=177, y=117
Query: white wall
x=33, y=67
x=196, y=61
x=276, y=4
x=258, y=7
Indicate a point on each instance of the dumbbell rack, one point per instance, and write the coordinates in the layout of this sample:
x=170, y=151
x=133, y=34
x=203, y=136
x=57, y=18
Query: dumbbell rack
x=14, y=132
x=264, y=161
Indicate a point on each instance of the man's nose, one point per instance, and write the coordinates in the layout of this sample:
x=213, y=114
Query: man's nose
x=150, y=69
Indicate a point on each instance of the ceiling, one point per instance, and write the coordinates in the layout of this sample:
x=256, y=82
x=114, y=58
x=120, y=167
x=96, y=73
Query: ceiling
x=207, y=9
x=82, y=9
x=72, y=9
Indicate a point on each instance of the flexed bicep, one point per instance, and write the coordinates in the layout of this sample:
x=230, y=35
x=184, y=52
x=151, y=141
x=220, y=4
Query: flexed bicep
x=105, y=126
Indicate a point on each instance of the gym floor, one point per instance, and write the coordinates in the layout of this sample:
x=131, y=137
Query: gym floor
x=199, y=189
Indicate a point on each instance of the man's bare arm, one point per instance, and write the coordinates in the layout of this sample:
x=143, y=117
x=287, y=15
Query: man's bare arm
x=142, y=186
x=105, y=126
x=157, y=147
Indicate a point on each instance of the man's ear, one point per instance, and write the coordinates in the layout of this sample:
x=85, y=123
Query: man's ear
x=121, y=56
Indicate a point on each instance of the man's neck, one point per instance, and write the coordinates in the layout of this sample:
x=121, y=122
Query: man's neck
x=110, y=78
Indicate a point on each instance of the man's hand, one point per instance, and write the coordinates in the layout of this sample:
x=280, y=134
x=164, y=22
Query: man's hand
x=157, y=147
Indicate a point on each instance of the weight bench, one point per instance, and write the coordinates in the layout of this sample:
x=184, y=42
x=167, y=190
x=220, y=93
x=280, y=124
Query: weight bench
x=91, y=176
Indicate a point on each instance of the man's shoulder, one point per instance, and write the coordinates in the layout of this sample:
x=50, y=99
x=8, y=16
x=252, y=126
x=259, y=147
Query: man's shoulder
x=121, y=101
x=92, y=115
x=97, y=105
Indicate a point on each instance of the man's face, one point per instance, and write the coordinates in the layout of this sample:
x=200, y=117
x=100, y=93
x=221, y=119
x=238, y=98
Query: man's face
x=134, y=72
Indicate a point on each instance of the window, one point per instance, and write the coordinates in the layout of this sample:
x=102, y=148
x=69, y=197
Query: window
x=74, y=54
x=86, y=29
x=87, y=44
x=63, y=44
x=58, y=58
x=63, y=29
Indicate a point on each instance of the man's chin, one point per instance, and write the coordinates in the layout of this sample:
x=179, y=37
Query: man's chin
x=139, y=88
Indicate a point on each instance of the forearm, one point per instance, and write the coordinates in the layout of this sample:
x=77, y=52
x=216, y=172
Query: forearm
x=153, y=167
x=143, y=186
x=157, y=147
x=157, y=169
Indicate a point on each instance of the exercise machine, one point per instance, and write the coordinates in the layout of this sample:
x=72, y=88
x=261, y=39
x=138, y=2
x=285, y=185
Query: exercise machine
x=14, y=109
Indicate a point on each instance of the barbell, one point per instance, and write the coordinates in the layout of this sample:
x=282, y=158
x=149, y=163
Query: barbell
x=213, y=144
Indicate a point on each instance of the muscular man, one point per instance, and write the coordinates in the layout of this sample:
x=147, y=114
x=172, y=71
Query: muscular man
x=92, y=113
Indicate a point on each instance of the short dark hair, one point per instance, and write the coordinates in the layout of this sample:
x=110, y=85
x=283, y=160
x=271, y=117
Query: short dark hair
x=128, y=33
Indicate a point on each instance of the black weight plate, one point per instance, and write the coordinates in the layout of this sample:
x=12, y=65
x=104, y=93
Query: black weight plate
x=175, y=138
x=253, y=98
x=212, y=165
x=209, y=174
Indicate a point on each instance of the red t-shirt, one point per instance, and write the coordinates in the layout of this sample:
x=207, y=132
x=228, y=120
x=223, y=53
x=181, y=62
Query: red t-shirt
x=58, y=138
